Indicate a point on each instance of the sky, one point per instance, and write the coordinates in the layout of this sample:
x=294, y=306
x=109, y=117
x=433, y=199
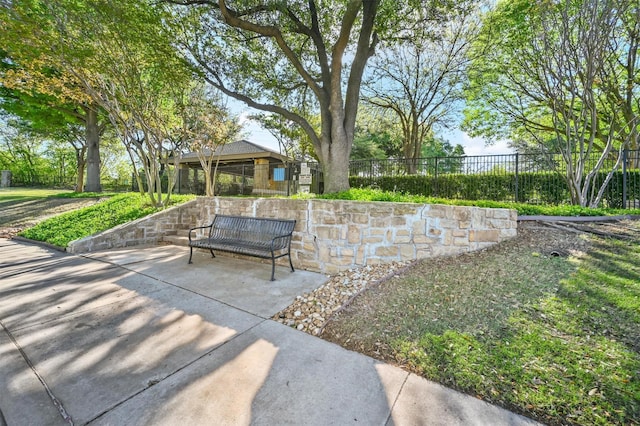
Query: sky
x=472, y=146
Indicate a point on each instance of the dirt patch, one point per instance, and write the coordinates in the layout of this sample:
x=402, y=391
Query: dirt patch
x=18, y=215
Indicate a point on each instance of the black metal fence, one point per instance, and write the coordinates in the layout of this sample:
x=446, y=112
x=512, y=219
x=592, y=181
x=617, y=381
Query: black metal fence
x=536, y=178
x=533, y=178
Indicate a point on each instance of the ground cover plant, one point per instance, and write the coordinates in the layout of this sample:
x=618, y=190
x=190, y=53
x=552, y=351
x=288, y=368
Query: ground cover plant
x=547, y=324
x=112, y=211
x=369, y=194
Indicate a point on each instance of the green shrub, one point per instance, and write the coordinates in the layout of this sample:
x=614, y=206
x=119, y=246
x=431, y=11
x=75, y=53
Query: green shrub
x=371, y=194
x=532, y=187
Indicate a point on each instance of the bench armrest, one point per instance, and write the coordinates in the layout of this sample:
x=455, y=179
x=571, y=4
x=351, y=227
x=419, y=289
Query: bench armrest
x=198, y=227
x=273, y=240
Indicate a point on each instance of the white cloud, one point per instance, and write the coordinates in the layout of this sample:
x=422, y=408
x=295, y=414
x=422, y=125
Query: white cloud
x=478, y=146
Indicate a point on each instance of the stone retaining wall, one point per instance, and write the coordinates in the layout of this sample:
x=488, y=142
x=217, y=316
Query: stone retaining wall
x=334, y=235
x=147, y=230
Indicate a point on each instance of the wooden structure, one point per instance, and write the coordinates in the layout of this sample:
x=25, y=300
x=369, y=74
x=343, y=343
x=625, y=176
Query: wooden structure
x=250, y=169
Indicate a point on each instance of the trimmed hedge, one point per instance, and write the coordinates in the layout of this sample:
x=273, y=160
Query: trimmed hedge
x=532, y=187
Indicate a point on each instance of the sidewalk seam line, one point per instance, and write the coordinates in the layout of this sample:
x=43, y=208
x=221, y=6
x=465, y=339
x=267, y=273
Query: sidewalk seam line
x=190, y=363
x=56, y=402
x=395, y=401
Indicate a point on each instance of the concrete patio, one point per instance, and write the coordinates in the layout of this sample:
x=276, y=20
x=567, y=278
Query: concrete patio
x=137, y=336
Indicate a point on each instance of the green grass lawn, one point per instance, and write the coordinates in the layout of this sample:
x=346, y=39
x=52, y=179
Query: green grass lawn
x=9, y=194
x=554, y=338
x=114, y=210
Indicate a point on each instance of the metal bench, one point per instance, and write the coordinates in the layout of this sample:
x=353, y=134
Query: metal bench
x=251, y=236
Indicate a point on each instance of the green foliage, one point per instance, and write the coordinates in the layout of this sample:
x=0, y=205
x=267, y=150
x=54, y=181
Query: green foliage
x=83, y=195
x=532, y=187
x=370, y=194
x=61, y=230
x=377, y=135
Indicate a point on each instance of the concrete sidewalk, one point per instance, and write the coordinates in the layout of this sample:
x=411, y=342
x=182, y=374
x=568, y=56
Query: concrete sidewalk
x=139, y=337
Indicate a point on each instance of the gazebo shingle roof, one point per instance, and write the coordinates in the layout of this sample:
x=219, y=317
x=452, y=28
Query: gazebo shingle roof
x=240, y=150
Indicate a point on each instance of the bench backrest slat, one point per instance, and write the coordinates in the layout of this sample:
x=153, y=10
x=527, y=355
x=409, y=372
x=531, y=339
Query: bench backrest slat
x=251, y=229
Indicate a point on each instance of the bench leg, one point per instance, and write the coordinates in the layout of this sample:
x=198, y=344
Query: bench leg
x=291, y=264
x=212, y=255
x=190, y=254
x=273, y=268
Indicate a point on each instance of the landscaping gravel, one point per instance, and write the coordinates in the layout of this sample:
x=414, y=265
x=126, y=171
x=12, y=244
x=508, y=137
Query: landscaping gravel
x=310, y=312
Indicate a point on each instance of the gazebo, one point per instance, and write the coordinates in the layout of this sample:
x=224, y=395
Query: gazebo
x=243, y=168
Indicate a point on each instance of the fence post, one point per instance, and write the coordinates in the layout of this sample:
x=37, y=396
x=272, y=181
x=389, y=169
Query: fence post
x=243, y=181
x=435, y=192
x=517, y=166
x=625, y=154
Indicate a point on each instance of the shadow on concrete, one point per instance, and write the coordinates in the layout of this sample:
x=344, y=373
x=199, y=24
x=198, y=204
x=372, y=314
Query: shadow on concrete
x=134, y=337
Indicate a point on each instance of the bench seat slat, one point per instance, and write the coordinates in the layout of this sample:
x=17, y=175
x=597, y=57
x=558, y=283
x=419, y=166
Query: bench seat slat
x=259, y=237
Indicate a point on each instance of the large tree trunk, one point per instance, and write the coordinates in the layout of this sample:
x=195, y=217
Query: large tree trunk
x=93, y=151
x=335, y=164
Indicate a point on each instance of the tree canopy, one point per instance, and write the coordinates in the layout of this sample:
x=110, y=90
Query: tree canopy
x=563, y=74
x=281, y=57
x=420, y=77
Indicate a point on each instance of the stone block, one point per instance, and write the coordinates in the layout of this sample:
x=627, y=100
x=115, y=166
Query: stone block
x=461, y=213
x=329, y=206
x=439, y=211
x=407, y=252
x=424, y=252
x=310, y=265
x=373, y=239
x=401, y=209
x=324, y=254
x=424, y=239
x=354, y=234
x=447, y=239
x=419, y=227
x=332, y=269
x=347, y=252
x=478, y=217
x=460, y=241
x=308, y=247
x=401, y=239
x=438, y=251
x=305, y=257
x=386, y=251
x=500, y=213
x=343, y=260
x=379, y=209
x=434, y=232
x=355, y=207
x=505, y=234
x=362, y=219
x=327, y=232
x=490, y=235
x=449, y=224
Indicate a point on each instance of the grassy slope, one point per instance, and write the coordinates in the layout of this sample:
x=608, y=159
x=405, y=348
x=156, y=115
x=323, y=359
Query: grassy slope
x=555, y=339
x=115, y=210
